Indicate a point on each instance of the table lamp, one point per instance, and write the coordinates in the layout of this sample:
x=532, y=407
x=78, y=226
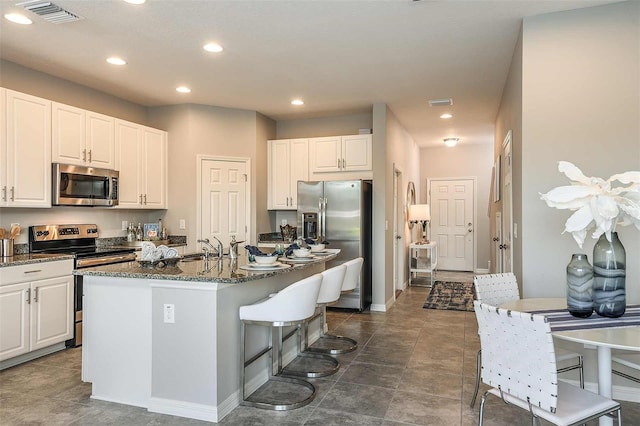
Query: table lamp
x=420, y=213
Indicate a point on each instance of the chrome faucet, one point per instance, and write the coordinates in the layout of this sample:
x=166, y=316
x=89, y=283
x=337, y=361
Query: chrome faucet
x=220, y=248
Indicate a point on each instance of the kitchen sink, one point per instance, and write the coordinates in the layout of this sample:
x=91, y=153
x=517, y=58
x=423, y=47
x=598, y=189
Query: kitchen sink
x=192, y=257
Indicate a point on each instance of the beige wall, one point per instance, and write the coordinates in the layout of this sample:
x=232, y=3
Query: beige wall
x=19, y=78
x=36, y=83
x=348, y=124
x=403, y=155
x=214, y=131
x=580, y=103
x=510, y=118
x=472, y=161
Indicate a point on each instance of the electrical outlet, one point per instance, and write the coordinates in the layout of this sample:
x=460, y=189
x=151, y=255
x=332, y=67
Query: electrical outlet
x=284, y=222
x=169, y=313
x=18, y=225
x=125, y=225
x=183, y=224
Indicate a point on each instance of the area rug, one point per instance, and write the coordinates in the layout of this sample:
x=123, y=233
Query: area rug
x=449, y=295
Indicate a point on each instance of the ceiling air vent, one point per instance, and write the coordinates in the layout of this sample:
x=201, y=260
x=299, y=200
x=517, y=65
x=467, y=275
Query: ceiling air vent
x=441, y=102
x=49, y=11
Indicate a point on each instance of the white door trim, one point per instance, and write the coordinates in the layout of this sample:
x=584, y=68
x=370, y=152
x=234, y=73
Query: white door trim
x=203, y=157
x=475, y=210
x=507, y=168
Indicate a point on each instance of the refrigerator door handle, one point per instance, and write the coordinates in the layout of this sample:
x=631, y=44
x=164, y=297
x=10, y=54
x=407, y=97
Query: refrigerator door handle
x=320, y=216
x=324, y=219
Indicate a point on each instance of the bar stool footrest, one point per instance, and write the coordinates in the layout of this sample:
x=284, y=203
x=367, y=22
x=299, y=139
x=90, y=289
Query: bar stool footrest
x=334, y=366
x=335, y=351
x=271, y=405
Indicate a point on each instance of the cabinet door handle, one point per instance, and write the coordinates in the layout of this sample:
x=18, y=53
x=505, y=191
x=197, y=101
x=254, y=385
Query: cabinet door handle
x=89, y=155
x=13, y=193
x=4, y=193
x=145, y=199
x=33, y=272
x=35, y=295
x=28, y=296
x=84, y=155
x=140, y=199
x=344, y=163
x=338, y=163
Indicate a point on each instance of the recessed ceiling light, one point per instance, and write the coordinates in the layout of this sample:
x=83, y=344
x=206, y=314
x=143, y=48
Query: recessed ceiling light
x=135, y=1
x=297, y=102
x=213, y=47
x=116, y=61
x=18, y=18
x=183, y=89
x=446, y=115
x=451, y=141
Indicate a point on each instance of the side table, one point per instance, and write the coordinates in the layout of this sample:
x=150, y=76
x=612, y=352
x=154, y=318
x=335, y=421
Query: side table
x=423, y=258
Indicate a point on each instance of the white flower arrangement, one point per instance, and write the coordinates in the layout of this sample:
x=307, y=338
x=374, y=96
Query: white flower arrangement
x=598, y=203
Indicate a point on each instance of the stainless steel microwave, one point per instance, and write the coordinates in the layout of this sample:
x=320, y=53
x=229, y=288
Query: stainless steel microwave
x=84, y=186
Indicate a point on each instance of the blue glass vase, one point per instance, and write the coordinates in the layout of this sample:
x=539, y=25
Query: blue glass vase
x=579, y=286
x=609, y=272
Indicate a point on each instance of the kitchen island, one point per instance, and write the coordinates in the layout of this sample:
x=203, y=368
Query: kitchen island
x=168, y=339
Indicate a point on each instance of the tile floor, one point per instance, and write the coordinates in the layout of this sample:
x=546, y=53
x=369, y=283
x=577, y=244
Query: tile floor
x=413, y=367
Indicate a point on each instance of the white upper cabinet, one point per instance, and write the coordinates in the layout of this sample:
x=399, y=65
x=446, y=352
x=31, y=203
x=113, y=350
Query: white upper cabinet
x=82, y=137
x=25, y=150
x=141, y=158
x=288, y=163
x=341, y=154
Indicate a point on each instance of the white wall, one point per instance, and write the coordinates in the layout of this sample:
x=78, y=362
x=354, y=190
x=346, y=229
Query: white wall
x=463, y=161
x=580, y=103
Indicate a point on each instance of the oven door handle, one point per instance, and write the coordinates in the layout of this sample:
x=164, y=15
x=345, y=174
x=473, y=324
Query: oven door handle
x=97, y=261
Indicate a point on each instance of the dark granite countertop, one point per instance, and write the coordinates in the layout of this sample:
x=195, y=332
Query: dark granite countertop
x=26, y=259
x=223, y=271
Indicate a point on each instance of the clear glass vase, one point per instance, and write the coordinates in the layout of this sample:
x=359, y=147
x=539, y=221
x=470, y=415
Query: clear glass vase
x=609, y=271
x=579, y=286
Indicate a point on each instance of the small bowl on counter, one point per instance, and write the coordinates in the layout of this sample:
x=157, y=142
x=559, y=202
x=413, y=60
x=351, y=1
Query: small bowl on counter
x=302, y=252
x=266, y=260
x=316, y=247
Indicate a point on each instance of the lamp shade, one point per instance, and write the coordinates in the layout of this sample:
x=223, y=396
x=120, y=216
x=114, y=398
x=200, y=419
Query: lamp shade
x=419, y=212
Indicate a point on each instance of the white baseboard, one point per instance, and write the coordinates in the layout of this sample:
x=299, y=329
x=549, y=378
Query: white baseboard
x=481, y=271
x=208, y=413
x=11, y=362
x=376, y=307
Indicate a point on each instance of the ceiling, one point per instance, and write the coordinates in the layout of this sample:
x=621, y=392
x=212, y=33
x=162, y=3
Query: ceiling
x=338, y=56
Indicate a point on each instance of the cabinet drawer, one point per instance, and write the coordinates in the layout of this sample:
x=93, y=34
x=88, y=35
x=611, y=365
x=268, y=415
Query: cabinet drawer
x=35, y=271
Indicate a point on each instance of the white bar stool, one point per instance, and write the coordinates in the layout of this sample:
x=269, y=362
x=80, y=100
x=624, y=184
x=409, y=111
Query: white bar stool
x=332, y=280
x=349, y=283
x=289, y=307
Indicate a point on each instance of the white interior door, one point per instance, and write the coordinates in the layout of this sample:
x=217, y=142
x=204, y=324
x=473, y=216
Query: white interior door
x=507, y=206
x=223, y=200
x=452, y=222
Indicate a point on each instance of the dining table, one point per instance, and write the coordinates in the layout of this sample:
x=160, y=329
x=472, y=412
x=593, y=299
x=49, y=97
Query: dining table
x=605, y=334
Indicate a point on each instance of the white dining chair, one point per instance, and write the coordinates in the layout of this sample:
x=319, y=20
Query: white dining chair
x=496, y=289
x=629, y=360
x=519, y=365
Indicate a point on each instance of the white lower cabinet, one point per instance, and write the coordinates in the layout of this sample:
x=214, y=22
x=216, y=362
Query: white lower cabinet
x=35, y=313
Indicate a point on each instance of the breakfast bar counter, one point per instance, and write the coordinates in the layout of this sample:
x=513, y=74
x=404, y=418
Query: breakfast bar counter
x=168, y=339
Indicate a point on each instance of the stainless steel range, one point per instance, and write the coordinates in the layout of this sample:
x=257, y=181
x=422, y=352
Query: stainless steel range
x=80, y=241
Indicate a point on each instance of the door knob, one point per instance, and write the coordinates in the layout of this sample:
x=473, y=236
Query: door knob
x=398, y=237
x=496, y=239
x=470, y=230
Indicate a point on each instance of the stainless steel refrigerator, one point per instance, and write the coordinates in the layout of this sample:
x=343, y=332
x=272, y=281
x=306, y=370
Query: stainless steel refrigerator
x=340, y=213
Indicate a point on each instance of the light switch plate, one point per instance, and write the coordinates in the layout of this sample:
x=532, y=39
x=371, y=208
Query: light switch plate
x=169, y=313
x=183, y=224
x=125, y=225
x=284, y=222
